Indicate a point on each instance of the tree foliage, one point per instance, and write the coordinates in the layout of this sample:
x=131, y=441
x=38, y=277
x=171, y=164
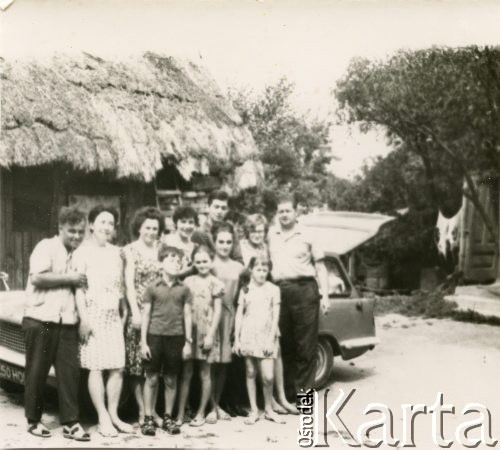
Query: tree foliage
x=442, y=105
x=295, y=151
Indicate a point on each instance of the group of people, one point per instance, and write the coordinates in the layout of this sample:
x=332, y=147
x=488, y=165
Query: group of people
x=227, y=304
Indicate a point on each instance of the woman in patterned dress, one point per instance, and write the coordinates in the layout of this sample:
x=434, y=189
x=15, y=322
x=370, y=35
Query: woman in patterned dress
x=101, y=329
x=141, y=269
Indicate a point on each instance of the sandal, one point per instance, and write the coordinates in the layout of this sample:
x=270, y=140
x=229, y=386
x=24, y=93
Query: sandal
x=38, y=429
x=211, y=419
x=197, y=422
x=251, y=419
x=148, y=427
x=76, y=432
x=273, y=417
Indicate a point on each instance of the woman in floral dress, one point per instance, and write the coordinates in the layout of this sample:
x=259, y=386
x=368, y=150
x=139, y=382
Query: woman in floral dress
x=141, y=269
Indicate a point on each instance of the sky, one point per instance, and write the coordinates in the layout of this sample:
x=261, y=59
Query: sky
x=251, y=44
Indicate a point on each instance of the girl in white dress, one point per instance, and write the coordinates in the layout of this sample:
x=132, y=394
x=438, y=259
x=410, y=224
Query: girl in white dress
x=256, y=335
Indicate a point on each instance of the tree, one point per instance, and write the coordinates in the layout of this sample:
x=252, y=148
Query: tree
x=442, y=105
x=295, y=151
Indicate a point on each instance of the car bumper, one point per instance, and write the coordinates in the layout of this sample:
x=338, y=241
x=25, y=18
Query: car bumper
x=351, y=348
x=12, y=365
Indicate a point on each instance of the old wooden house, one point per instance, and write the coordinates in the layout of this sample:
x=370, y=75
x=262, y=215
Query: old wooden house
x=83, y=130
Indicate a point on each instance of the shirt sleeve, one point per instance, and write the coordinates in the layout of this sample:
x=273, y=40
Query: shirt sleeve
x=41, y=258
x=317, y=251
x=148, y=295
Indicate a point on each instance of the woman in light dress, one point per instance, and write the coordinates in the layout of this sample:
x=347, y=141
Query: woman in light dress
x=102, y=346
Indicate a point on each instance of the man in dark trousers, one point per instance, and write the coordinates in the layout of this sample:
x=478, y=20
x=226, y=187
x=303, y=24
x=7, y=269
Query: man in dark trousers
x=297, y=264
x=50, y=325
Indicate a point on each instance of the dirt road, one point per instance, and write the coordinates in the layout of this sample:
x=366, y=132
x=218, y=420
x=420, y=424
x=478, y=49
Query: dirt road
x=415, y=360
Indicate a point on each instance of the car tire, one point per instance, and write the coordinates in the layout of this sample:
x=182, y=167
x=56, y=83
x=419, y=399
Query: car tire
x=324, y=362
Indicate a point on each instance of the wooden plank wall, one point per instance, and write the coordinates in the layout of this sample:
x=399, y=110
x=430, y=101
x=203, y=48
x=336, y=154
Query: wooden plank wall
x=15, y=246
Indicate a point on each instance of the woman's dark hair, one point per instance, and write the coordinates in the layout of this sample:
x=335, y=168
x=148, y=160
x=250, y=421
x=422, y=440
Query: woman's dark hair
x=185, y=212
x=96, y=210
x=220, y=227
x=70, y=215
x=142, y=214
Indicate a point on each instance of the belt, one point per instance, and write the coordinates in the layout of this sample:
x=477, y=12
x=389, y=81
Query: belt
x=299, y=280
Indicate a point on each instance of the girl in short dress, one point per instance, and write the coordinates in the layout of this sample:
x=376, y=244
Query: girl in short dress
x=228, y=271
x=101, y=328
x=256, y=335
x=207, y=292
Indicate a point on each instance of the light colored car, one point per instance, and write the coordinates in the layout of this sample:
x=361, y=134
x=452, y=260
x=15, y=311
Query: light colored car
x=348, y=330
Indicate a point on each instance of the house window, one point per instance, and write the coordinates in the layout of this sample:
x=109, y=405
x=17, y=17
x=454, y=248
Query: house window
x=32, y=198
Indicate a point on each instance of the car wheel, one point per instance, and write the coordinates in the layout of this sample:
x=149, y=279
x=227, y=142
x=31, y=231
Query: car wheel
x=324, y=362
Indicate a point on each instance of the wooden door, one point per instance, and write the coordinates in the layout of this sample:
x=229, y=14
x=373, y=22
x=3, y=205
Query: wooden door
x=479, y=255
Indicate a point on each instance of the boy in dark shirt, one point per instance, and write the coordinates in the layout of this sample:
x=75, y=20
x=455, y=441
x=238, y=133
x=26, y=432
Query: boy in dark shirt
x=165, y=336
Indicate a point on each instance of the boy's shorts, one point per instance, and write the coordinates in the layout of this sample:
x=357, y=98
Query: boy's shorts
x=166, y=354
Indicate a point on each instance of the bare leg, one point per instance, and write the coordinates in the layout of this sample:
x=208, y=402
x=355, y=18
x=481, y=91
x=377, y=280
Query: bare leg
x=113, y=391
x=96, y=390
x=266, y=369
x=137, y=388
x=150, y=387
x=251, y=372
x=156, y=417
x=170, y=392
x=187, y=374
x=219, y=372
x=279, y=383
x=206, y=389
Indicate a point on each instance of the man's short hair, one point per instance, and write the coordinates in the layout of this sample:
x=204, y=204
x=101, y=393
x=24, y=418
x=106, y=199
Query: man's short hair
x=185, y=212
x=218, y=195
x=168, y=250
x=70, y=215
x=287, y=197
x=142, y=214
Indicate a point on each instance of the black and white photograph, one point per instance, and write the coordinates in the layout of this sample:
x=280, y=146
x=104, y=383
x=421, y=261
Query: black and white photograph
x=250, y=224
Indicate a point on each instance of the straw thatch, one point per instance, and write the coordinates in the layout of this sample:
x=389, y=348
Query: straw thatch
x=123, y=117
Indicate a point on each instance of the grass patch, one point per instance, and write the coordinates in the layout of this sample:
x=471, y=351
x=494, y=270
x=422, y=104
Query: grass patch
x=429, y=305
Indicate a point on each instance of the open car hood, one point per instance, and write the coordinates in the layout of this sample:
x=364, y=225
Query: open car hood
x=340, y=232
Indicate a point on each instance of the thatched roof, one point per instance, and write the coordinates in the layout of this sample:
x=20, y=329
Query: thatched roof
x=123, y=117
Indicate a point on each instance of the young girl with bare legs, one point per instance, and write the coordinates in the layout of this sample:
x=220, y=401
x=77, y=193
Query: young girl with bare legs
x=207, y=292
x=256, y=335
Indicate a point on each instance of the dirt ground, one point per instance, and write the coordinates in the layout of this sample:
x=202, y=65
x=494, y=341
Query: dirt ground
x=416, y=359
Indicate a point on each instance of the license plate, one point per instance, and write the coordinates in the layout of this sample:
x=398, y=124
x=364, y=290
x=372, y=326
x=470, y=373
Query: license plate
x=11, y=373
